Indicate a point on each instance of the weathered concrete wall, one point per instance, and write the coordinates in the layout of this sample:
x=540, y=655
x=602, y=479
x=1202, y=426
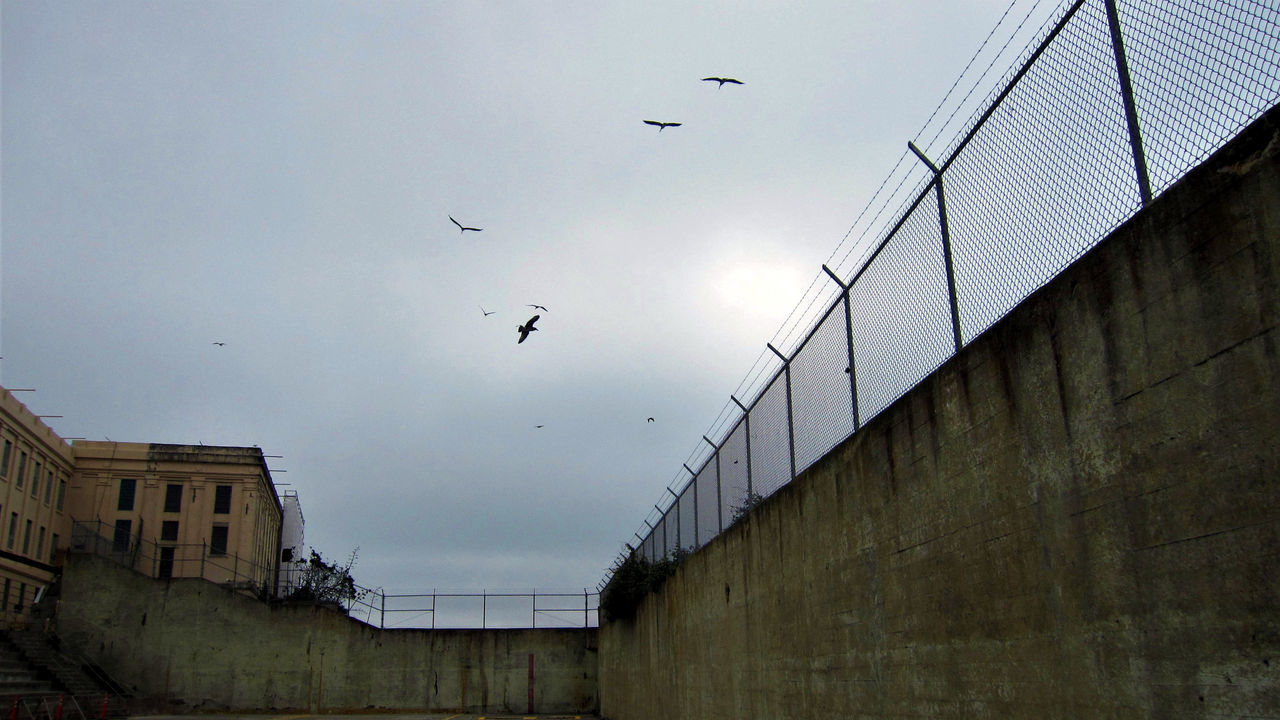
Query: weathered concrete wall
x=1076, y=517
x=209, y=648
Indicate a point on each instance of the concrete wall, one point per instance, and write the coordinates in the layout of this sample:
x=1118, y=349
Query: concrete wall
x=206, y=647
x=1076, y=517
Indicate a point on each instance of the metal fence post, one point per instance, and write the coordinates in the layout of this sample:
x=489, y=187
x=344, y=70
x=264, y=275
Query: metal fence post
x=1130, y=109
x=946, y=244
x=693, y=485
x=848, y=336
x=746, y=420
x=791, y=428
x=715, y=451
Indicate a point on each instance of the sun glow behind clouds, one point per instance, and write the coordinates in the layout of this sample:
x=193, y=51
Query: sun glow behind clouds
x=759, y=292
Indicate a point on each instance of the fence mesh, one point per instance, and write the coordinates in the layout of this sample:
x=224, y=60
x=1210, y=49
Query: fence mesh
x=688, y=517
x=901, y=312
x=1055, y=161
x=1048, y=173
x=734, y=468
x=1201, y=71
x=708, y=503
x=821, y=398
x=770, y=439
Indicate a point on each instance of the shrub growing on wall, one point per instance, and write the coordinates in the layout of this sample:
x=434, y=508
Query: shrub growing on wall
x=635, y=578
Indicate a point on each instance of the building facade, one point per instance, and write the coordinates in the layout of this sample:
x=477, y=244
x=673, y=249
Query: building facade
x=35, y=471
x=164, y=510
x=292, y=544
x=178, y=510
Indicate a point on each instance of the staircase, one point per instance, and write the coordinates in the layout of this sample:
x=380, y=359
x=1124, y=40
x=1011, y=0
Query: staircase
x=39, y=681
x=20, y=679
x=66, y=673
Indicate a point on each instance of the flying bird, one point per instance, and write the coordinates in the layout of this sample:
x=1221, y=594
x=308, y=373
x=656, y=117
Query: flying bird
x=649, y=420
x=537, y=307
x=537, y=426
x=219, y=344
x=722, y=81
x=662, y=125
x=487, y=313
x=463, y=228
x=527, y=328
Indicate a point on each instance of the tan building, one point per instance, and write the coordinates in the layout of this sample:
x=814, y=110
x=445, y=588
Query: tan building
x=178, y=510
x=35, y=469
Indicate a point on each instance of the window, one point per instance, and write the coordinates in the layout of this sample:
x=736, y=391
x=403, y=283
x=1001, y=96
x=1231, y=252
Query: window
x=4, y=462
x=53, y=548
x=22, y=468
x=124, y=529
x=128, y=486
x=62, y=492
x=173, y=498
x=13, y=530
x=48, y=487
x=222, y=500
x=26, y=539
x=40, y=543
x=166, y=563
x=218, y=540
x=35, y=480
x=169, y=531
x=7, y=587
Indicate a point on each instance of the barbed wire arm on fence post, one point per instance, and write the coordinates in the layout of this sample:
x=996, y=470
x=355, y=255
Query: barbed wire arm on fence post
x=791, y=429
x=848, y=336
x=715, y=452
x=746, y=434
x=946, y=244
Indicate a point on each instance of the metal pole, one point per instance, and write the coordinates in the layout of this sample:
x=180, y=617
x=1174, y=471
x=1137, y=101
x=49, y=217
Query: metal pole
x=946, y=245
x=1130, y=109
x=719, y=501
x=791, y=430
x=848, y=336
x=382, y=614
x=746, y=429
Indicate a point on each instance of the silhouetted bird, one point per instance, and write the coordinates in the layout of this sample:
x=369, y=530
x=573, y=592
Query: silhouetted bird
x=662, y=125
x=722, y=81
x=537, y=307
x=537, y=426
x=527, y=328
x=463, y=228
x=649, y=420
x=219, y=344
x=487, y=313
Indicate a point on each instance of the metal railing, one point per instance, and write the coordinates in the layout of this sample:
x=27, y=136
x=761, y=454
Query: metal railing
x=373, y=606
x=497, y=609
x=1110, y=106
x=170, y=559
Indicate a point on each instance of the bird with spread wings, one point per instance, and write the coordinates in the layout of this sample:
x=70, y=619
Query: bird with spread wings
x=722, y=81
x=527, y=328
x=463, y=228
x=662, y=125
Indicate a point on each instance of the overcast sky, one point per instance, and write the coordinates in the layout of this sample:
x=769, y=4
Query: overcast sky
x=279, y=176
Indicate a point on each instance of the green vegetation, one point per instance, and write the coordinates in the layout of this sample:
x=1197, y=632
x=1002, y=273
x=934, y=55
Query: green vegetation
x=634, y=579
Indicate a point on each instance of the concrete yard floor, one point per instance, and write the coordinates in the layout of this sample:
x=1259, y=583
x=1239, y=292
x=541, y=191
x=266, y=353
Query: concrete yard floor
x=367, y=716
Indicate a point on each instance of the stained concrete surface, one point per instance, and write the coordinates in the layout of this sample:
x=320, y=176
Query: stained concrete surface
x=367, y=716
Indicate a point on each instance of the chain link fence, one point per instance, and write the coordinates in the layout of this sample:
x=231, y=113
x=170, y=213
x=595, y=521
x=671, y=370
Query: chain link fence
x=1108, y=108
